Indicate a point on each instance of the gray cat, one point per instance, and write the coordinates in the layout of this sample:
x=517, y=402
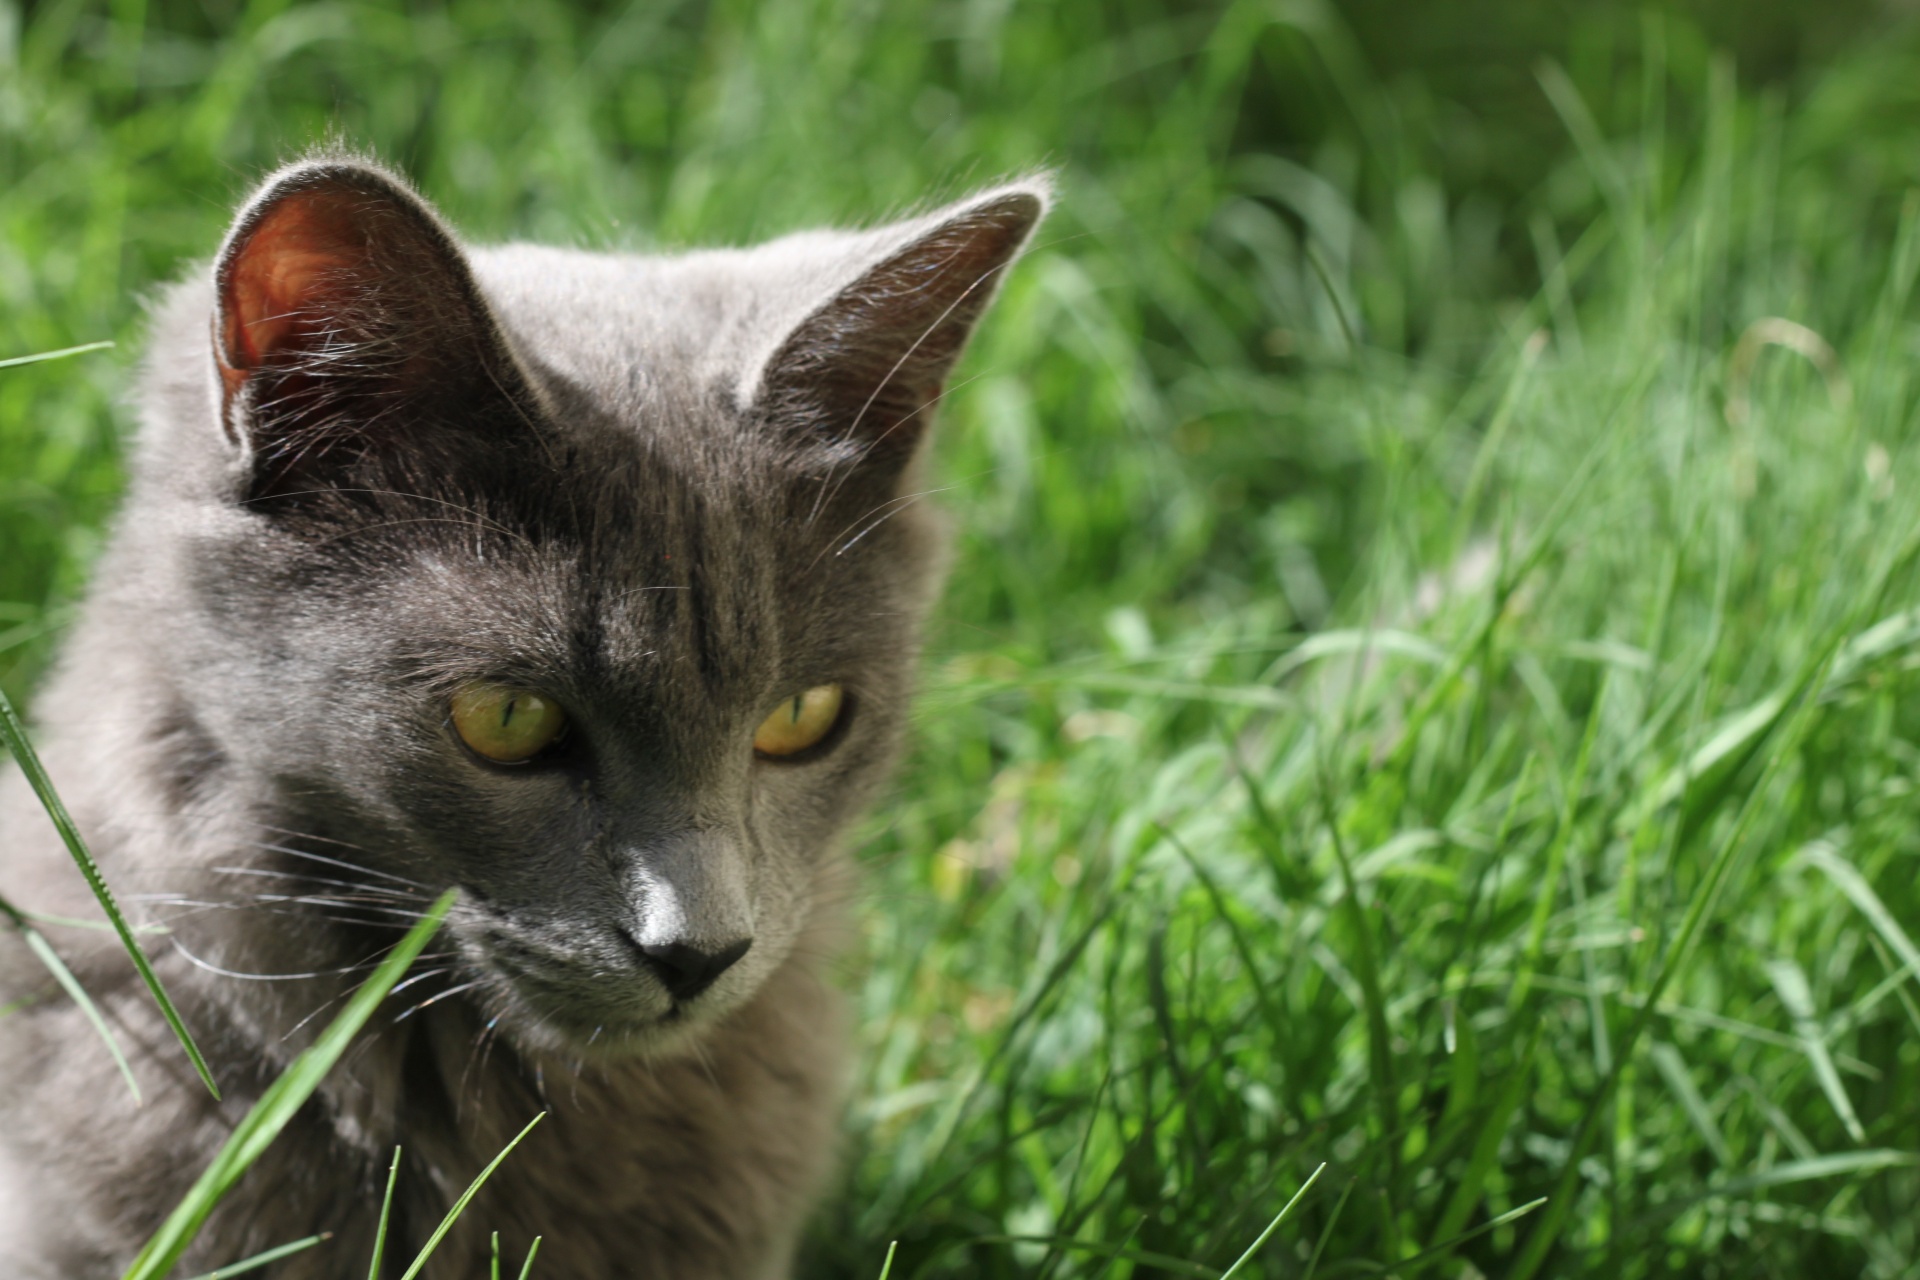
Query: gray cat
x=590, y=584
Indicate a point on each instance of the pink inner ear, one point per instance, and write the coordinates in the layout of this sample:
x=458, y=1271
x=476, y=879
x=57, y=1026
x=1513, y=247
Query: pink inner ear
x=278, y=283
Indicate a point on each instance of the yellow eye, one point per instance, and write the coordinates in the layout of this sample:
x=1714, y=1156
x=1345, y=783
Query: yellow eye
x=799, y=722
x=507, y=726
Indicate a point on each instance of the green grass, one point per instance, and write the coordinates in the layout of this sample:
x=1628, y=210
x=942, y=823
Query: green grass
x=1227, y=850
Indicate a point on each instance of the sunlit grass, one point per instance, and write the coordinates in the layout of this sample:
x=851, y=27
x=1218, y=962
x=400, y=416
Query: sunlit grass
x=1419, y=694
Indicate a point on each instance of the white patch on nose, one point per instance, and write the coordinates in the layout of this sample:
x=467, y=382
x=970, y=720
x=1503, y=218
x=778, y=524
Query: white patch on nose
x=692, y=892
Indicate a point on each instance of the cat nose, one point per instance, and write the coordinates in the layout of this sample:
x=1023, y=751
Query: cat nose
x=687, y=970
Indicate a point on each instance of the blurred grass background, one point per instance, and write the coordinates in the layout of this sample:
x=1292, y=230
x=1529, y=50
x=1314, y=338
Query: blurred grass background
x=1427, y=684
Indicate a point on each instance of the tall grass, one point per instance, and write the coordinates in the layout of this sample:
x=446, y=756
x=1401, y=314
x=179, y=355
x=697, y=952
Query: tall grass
x=1427, y=686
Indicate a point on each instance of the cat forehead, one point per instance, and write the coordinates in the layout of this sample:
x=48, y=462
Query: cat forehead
x=696, y=590
x=629, y=327
x=618, y=519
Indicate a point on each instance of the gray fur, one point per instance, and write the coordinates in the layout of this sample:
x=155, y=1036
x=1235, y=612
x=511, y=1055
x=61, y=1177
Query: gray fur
x=670, y=491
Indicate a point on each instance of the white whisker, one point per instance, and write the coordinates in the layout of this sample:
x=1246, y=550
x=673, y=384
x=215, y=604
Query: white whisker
x=437, y=998
x=210, y=967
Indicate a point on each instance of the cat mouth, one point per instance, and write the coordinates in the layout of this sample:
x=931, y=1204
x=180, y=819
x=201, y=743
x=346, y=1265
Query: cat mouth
x=558, y=1006
x=577, y=991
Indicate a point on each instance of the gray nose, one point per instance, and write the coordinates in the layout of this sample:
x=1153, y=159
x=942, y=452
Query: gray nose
x=686, y=970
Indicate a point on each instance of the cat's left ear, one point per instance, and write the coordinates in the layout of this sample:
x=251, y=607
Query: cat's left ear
x=858, y=379
x=348, y=328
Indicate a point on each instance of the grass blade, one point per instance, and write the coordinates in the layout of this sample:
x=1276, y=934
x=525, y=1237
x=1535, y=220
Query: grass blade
x=1386, y=1089
x=1796, y=994
x=44, y=952
x=98, y=926
x=1829, y=1166
x=386, y=1212
x=1486, y=1147
x=1420, y=1260
x=259, y=1260
x=1139, y=1257
x=1223, y=911
x=1673, y=1069
x=282, y=1099
x=61, y=354
x=533, y=1250
x=14, y=734
x=1850, y=882
x=1273, y=1226
x=1326, y=1232
x=1839, y=1164
x=460, y=1205
x=1699, y=907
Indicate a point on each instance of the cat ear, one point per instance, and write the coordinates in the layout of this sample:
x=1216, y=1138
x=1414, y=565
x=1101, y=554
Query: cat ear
x=347, y=324
x=863, y=373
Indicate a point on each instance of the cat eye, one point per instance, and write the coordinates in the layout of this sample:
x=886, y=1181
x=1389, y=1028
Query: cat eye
x=800, y=722
x=504, y=724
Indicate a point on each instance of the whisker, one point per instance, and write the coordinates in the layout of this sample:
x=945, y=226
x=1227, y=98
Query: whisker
x=705, y=1059
x=482, y=1046
x=336, y=862
x=435, y=999
x=324, y=1005
x=308, y=877
x=336, y=998
x=317, y=900
x=273, y=904
x=398, y=987
x=898, y=503
x=210, y=967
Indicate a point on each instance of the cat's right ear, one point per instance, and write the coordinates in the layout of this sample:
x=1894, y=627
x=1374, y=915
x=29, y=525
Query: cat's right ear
x=856, y=381
x=347, y=327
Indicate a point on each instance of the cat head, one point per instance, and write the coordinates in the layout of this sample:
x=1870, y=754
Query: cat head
x=589, y=584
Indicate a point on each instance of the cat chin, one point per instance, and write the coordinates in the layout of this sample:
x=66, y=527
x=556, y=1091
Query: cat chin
x=671, y=1036
x=657, y=1042
x=543, y=1029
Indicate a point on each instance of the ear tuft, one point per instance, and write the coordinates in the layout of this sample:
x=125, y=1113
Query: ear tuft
x=293, y=264
x=864, y=372
x=342, y=304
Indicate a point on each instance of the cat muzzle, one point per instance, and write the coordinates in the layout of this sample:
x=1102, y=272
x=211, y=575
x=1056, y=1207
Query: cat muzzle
x=685, y=970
